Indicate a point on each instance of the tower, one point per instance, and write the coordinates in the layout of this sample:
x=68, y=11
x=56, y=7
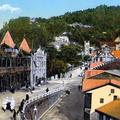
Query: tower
x=86, y=47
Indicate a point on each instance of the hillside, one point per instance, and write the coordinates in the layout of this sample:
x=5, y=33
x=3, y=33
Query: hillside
x=99, y=24
x=104, y=22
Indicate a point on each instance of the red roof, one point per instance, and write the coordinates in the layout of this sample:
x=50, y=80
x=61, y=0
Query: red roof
x=91, y=73
x=96, y=64
x=24, y=46
x=89, y=84
x=7, y=40
x=116, y=53
x=111, y=109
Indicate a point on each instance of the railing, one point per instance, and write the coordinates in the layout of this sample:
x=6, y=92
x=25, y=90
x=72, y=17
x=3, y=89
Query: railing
x=37, y=97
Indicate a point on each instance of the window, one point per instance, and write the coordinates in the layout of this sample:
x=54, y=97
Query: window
x=115, y=97
x=112, y=91
x=101, y=100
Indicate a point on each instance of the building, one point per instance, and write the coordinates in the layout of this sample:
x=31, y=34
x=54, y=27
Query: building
x=87, y=47
x=110, y=111
x=14, y=66
x=38, y=67
x=61, y=40
x=99, y=92
x=117, y=41
x=100, y=87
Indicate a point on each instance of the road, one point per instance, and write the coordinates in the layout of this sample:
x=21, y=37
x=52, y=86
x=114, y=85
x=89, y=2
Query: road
x=43, y=104
x=70, y=107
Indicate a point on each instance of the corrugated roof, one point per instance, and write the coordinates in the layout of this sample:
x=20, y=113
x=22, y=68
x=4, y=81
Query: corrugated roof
x=111, y=109
x=89, y=84
x=7, y=40
x=116, y=53
x=91, y=73
x=24, y=46
x=96, y=64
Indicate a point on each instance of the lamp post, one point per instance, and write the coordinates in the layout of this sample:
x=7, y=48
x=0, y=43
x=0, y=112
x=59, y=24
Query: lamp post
x=35, y=111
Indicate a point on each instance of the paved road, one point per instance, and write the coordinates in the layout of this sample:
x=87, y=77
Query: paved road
x=69, y=108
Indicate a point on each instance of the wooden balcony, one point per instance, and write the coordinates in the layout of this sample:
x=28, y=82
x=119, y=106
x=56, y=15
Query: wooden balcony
x=4, y=70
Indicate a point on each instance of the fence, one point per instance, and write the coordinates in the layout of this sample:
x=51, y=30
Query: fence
x=37, y=97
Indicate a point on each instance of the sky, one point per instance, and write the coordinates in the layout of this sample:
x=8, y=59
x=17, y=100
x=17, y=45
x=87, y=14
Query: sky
x=45, y=8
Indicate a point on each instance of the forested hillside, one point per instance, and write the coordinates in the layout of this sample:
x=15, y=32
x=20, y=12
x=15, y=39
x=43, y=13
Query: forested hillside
x=99, y=24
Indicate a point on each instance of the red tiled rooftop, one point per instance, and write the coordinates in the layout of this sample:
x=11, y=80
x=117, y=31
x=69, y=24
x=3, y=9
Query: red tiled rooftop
x=116, y=53
x=91, y=73
x=24, y=46
x=89, y=84
x=96, y=64
x=7, y=40
x=111, y=109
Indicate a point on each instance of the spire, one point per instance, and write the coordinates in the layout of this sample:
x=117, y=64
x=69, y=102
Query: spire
x=7, y=40
x=24, y=46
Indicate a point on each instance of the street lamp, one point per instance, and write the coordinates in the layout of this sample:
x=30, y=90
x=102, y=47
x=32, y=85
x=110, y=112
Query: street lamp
x=35, y=111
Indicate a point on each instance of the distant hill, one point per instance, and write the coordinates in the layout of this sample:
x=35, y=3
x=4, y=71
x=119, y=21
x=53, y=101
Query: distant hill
x=100, y=23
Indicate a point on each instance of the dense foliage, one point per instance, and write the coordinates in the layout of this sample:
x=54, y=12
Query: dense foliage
x=99, y=24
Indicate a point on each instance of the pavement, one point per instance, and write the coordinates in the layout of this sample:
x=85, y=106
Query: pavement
x=18, y=96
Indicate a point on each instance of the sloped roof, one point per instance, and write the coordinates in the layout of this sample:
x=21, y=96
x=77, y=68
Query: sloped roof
x=113, y=72
x=96, y=64
x=111, y=109
x=116, y=54
x=24, y=46
x=91, y=73
x=7, y=40
x=90, y=84
x=110, y=44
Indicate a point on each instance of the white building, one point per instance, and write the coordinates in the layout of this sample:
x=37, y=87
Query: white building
x=117, y=41
x=38, y=67
x=87, y=47
x=61, y=40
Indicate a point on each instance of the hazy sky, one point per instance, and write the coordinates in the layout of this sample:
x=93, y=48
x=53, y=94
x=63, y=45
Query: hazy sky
x=45, y=8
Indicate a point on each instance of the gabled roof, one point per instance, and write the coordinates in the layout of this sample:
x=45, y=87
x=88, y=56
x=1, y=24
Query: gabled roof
x=7, y=40
x=24, y=46
x=111, y=109
x=91, y=73
x=90, y=84
x=96, y=64
x=116, y=53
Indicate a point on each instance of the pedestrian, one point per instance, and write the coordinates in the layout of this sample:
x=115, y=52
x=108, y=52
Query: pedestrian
x=47, y=89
